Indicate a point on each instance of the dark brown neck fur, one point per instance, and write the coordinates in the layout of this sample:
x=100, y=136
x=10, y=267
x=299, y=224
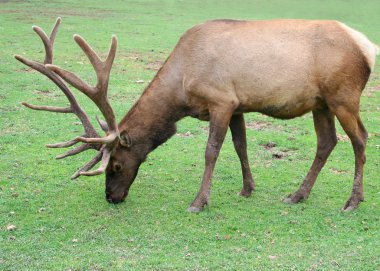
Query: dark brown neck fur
x=151, y=121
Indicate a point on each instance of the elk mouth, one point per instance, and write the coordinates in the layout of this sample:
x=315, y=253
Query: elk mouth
x=116, y=199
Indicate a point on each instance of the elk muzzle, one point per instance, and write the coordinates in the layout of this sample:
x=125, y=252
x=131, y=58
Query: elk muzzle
x=116, y=198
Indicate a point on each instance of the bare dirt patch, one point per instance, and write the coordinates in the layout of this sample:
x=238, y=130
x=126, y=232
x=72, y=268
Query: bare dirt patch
x=130, y=56
x=154, y=65
x=13, y=1
x=269, y=146
x=25, y=70
x=277, y=153
x=206, y=128
x=96, y=13
x=47, y=92
x=370, y=91
x=263, y=125
x=374, y=88
x=338, y=171
x=282, y=153
x=343, y=138
x=8, y=10
x=186, y=134
x=43, y=94
x=28, y=14
x=8, y=109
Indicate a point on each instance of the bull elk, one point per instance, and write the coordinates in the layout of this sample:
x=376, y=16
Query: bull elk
x=218, y=71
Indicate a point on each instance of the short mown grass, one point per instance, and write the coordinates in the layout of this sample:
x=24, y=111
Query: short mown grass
x=67, y=225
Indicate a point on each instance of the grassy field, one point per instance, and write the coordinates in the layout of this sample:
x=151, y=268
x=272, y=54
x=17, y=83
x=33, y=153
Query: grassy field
x=68, y=225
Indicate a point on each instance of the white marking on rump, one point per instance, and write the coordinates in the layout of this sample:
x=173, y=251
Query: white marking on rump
x=369, y=49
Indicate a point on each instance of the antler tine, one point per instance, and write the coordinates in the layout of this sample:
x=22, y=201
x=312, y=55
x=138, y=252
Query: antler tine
x=90, y=53
x=105, y=159
x=72, y=79
x=49, y=108
x=54, y=31
x=88, y=166
x=104, y=140
x=111, y=54
x=75, y=151
x=48, y=42
x=102, y=124
x=63, y=144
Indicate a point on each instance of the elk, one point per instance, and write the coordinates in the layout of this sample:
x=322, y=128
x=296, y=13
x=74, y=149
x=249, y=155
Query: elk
x=218, y=71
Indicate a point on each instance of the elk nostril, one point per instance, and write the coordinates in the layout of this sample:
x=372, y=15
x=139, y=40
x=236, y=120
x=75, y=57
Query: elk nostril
x=116, y=167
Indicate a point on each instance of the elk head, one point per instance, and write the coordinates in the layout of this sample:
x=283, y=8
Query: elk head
x=116, y=154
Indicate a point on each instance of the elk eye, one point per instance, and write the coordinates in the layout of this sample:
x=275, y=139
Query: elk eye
x=116, y=167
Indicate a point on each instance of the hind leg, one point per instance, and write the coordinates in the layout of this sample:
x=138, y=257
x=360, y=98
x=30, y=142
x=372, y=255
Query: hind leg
x=353, y=126
x=237, y=127
x=326, y=137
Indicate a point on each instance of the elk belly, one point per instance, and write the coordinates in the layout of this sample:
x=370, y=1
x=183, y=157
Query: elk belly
x=291, y=109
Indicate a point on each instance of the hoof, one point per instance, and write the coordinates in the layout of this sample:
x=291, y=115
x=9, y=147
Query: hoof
x=351, y=204
x=293, y=199
x=193, y=209
x=245, y=193
x=288, y=200
x=349, y=208
x=247, y=189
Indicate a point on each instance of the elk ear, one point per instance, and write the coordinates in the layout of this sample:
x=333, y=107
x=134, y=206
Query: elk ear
x=125, y=140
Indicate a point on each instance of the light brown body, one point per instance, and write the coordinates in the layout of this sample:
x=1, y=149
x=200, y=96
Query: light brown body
x=222, y=69
x=282, y=68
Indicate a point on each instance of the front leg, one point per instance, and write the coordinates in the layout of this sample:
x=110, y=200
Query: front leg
x=219, y=121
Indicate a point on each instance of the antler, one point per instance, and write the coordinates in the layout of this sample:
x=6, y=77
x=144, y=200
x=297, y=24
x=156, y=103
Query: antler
x=97, y=94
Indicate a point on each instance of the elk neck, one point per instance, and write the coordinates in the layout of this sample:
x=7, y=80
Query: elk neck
x=152, y=119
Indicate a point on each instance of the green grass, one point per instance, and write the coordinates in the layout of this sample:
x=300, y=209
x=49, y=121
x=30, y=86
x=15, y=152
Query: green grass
x=67, y=225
